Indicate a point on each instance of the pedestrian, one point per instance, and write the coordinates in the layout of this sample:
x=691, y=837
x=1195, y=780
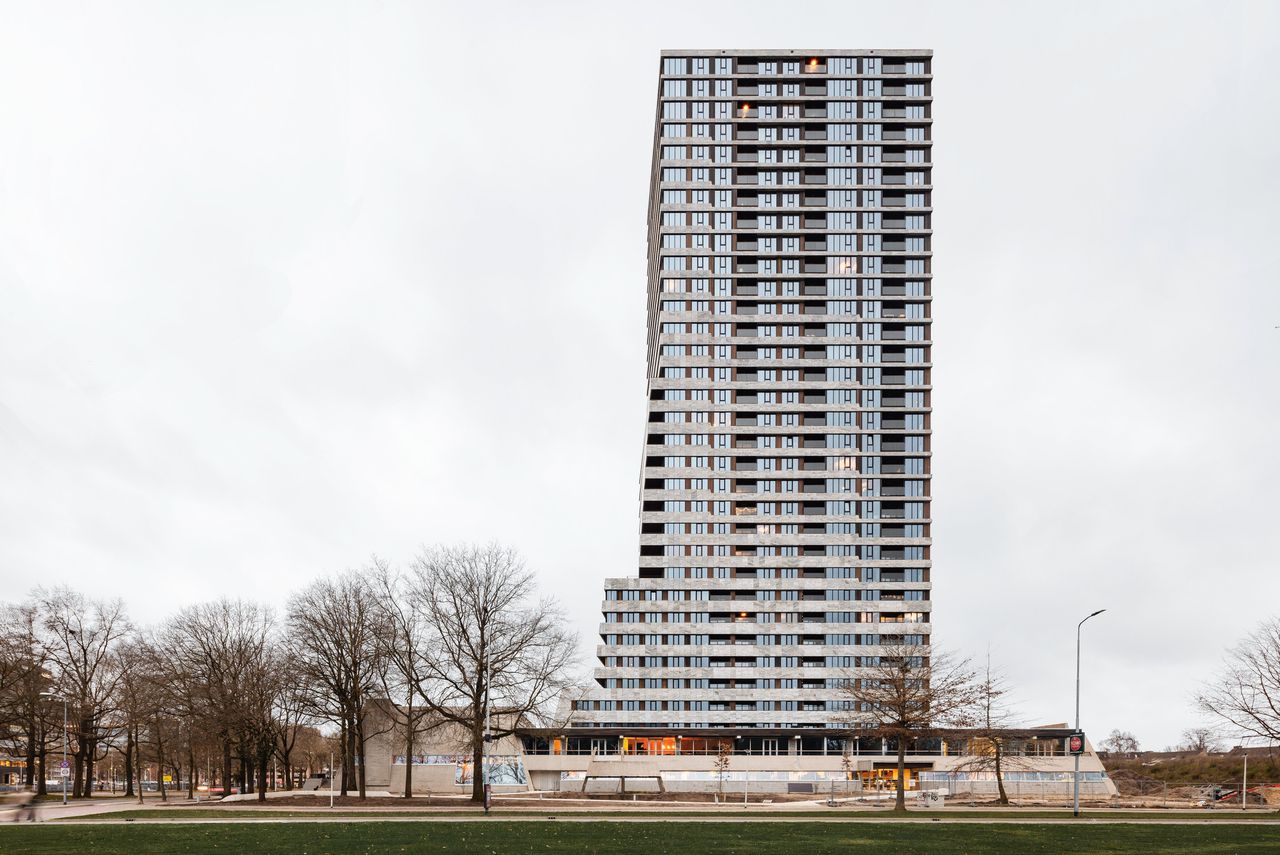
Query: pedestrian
x=25, y=806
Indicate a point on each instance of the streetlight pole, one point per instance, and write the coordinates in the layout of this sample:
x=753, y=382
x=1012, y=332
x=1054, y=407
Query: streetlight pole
x=1244, y=783
x=1075, y=789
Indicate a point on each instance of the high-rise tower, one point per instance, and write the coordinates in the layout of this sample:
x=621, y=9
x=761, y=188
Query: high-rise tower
x=784, y=526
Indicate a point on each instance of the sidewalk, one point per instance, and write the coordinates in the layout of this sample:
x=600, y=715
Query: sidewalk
x=48, y=809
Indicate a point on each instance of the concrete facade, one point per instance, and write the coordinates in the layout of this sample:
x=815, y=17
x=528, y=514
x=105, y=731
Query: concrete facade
x=785, y=510
x=603, y=761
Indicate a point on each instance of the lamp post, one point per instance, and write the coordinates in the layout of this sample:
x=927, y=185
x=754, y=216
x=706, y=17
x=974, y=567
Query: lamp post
x=1244, y=782
x=64, y=770
x=1075, y=789
x=1244, y=778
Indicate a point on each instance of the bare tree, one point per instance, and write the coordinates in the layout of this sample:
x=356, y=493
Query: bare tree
x=1246, y=693
x=224, y=655
x=990, y=738
x=337, y=633
x=137, y=706
x=724, y=756
x=25, y=708
x=406, y=653
x=1201, y=740
x=910, y=693
x=292, y=720
x=82, y=637
x=491, y=640
x=185, y=698
x=1120, y=742
x=312, y=748
x=259, y=691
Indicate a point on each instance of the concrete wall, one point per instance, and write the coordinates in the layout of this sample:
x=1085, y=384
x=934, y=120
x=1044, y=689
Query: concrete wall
x=781, y=773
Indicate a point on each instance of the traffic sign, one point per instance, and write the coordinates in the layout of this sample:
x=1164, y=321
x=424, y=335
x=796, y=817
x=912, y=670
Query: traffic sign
x=64, y=772
x=1075, y=744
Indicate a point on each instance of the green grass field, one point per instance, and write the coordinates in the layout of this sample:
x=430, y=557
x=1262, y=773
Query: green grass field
x=178, y=813
x=549, y=838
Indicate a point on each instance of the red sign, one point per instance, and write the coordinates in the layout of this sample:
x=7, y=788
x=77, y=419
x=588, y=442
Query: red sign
x=1075, y=743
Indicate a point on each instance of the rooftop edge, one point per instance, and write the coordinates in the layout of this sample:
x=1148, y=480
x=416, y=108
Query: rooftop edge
x=796, y=52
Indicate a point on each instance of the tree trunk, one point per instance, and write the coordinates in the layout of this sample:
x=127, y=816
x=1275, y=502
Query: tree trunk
x=28, y=775
x=226, y=766
x=128, y=762
x=286, y=759
x=408, y=749
x=78, y=781
x=360, y=766
x=191, y=768
x=263, y=756
x=164, y=795
x=137, y=750
x=900, y=800
x=42, y=788
x=1004, y=797
x=477, y=759
x=344, y=740
x=90, y=747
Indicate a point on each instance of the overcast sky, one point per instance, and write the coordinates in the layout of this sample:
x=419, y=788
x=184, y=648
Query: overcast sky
x=284, y=285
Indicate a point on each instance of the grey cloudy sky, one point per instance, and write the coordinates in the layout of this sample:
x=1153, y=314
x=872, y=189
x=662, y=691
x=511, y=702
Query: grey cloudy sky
x=283, y=285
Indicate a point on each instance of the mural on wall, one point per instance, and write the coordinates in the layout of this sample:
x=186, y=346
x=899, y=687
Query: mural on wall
x=500, y=770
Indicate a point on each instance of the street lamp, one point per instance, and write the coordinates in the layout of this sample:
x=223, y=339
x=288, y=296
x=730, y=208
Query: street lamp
x=1244, y=780
x=64, y=770
x=1075, y=789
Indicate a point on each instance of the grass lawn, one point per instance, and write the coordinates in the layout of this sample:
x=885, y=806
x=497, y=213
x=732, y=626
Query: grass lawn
x=178, y=813
x=548, y=838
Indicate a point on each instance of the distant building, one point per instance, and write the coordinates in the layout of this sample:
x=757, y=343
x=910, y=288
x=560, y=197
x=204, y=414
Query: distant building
x=12, y=770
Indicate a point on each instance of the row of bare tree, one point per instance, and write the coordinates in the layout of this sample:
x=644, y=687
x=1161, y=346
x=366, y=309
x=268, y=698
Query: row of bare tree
x=459, y=630
x=239, y=687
